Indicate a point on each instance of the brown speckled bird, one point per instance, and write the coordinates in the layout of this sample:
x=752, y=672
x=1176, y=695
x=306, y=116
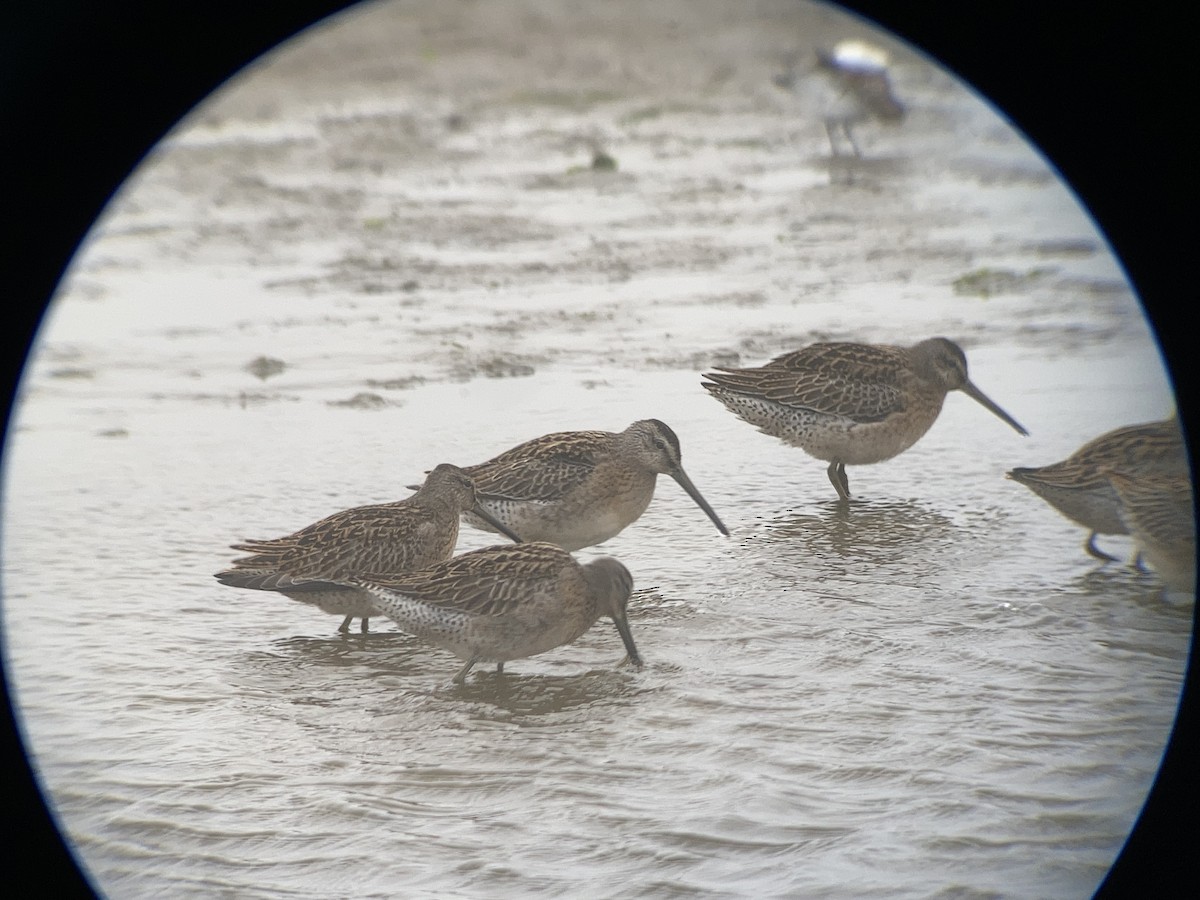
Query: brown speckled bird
x=1079, y=488
x=1159, y=512
x=850, y=404
x=311, y=565
x=506, y=602
x=580, y=488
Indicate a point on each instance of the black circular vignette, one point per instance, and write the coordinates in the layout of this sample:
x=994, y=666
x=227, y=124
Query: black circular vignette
x=87, y=89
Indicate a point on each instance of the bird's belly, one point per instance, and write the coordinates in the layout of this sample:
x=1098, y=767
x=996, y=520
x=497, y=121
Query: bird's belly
x=1096, y=507
x=504, y=638
x=337, y=603
x=572, y=523
x=541, y=626
x=872, y=442
x=832, y=438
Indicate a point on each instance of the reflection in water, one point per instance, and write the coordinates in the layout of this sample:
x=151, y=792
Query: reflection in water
x=650, y=606
x=525, y=699
x=323, y=671
x=396, y=661
x=875, y=531
x=1127, y=583
x=864, y=172
x=340, y=650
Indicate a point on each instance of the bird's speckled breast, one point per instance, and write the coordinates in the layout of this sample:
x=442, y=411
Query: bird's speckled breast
x=832, y=437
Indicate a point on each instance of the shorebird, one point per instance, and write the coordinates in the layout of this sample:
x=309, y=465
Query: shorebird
x=1158, y=510
x=859, y=71
x=505, y=602
x=850, y=404
x=858, y=74
x=311, y=564
x=1079, y=489
x=579, y=488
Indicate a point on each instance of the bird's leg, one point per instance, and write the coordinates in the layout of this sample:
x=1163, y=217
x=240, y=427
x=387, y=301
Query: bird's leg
x=462, y=673
x=344, y=628
x=829, y=129
x=850, y=138
x=500, y=667
x=363, y=625
x=837, y=477
x=1092, y=550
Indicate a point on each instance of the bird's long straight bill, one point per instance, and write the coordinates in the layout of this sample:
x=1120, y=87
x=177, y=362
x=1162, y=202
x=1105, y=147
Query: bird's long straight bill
x=983, y=400
x=627, y=638
x=686, y=484
x=494, y=522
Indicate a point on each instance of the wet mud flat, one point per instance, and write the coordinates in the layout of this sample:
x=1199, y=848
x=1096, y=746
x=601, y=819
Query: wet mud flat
x=429, y=232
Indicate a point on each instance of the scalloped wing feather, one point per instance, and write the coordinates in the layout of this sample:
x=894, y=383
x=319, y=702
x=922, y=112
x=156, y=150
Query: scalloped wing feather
x=542, y=469
x=833, y=379
x=488, y=582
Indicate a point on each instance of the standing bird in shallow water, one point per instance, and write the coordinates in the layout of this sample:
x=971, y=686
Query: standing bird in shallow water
x=312, y=564
x=850, y=404
x=580, y=488
x=1158, y=510
x=506, y=602
x=857, y=73
x=1079, y=488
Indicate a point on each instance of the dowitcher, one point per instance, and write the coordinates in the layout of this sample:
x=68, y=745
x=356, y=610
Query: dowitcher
x=850, y=404
x=1158, y=511
x=505, y=602
x=1077, y=486
x=579, y=488
x=309, y=564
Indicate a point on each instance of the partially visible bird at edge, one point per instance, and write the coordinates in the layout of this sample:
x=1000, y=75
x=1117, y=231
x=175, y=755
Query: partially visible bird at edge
x=1079, y=488
x=1159, y=511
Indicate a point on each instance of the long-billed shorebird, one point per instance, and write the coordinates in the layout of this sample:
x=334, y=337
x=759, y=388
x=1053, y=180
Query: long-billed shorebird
x=1079, y=489
x=1158, y=510
x=850, y=404
x=506, y=602
x=580, y=488
x=311, y=565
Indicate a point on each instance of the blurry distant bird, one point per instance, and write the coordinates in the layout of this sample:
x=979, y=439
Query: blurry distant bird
x=858, y=73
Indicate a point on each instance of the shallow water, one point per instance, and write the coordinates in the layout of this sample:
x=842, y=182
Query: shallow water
x=933, y=692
